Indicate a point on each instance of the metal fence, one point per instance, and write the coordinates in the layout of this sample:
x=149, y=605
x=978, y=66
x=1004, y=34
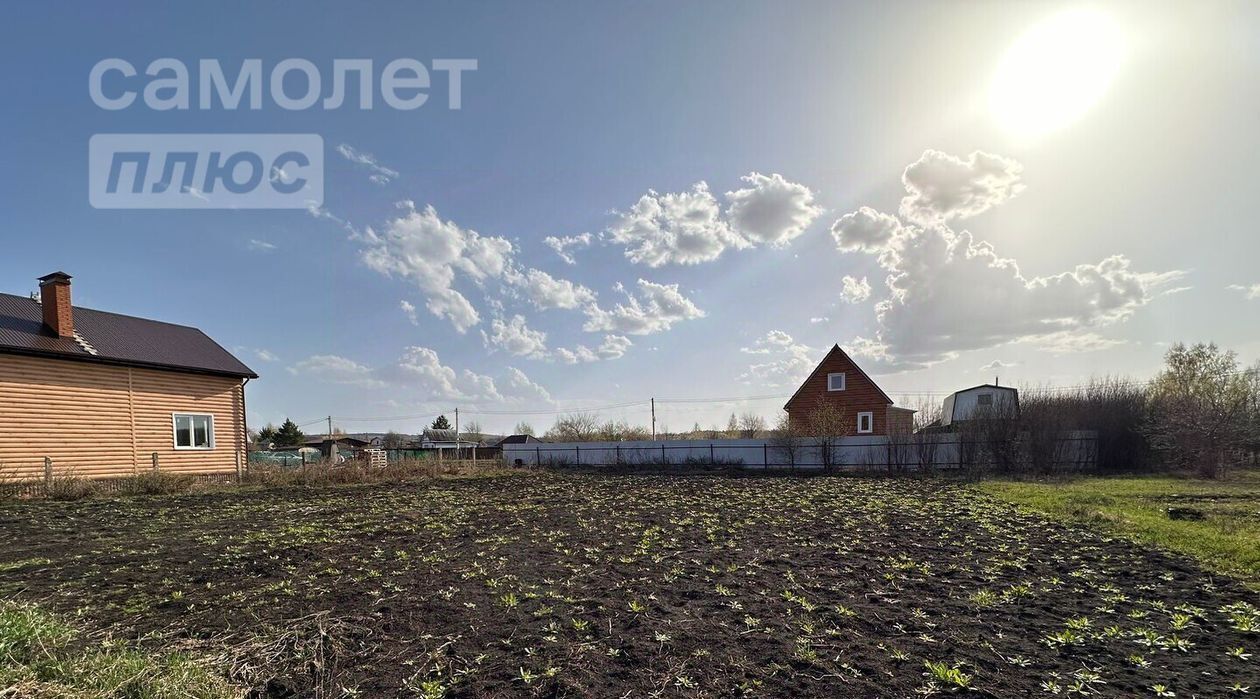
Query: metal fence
x=941, y=451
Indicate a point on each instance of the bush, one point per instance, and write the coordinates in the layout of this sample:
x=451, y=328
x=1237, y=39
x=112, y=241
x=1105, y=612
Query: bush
x=70, y=486
x=156, y=484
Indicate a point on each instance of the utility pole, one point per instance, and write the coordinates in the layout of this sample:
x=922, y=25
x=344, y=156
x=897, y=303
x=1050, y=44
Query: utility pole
x=457, y=433
x=653, y=419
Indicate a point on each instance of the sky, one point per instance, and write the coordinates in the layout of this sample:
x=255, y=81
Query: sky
x=688, y=202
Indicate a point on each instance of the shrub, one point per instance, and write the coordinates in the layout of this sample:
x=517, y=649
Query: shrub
x=156, y=484
x=71, y=486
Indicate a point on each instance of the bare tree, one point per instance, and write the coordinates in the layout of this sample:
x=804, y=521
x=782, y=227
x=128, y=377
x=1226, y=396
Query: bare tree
x=788, y=441
x=825, y=426
x=621, y=431
x=472, y=432
x=524, y=428
x=1205, y=408
x=574, y=427
x=751, y=425
x=394, y=440
x=732, y=426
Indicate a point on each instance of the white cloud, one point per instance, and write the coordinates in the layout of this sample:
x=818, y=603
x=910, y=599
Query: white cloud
x=515, y=337
x=419, y=371
x=614, y=346
x=409, y=310
x=519, y=387
x=655, y=308
x=334, y=369
x=578, y=355
x=997, y=364
x=1251, y=293
x=788, y=361
x=562, y=245
x=546, y=291
x=419, y=246
x=683, y=228
x=941, y=187
x=1074, y=341
x=855, y=290
x=865, y=230
x=771, y=210
x=266, y=355
x=818, y=319
x=379, y=173
x=260, y=245
x=950, y=293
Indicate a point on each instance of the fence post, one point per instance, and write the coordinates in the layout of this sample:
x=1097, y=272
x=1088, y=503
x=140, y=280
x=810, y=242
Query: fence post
x=664, y=461
x=155, y=462
x=47, y=474
x=618, y=447
x=537, y=456
x=765, y=455
x=238, y=467
x=577, y=454
x=712, y=459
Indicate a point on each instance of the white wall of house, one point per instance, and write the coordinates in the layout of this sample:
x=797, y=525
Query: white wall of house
x=964, y=404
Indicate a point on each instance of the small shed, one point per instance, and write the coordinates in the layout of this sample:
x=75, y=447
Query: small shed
x=985, y=400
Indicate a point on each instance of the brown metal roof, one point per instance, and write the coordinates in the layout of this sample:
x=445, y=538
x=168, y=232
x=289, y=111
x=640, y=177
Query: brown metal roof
x=114, y=339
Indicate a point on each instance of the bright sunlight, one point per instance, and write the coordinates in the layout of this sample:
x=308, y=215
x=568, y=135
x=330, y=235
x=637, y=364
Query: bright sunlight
x=1056, y=71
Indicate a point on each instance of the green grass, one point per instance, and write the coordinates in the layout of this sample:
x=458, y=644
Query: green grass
x=42, y=656
x=1227, y=540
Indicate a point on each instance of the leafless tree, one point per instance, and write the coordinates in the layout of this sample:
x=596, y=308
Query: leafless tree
x=394, y=440
x=788, y=441
x=524, y=428
x=620, y=431
x=1205, y=407
x=826, y=426
x=574, y=427
x=751, y=426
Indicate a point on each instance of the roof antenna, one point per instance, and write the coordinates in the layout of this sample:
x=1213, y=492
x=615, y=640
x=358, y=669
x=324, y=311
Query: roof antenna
x=995, y=380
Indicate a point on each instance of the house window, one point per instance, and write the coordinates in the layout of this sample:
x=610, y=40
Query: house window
x=866, y=423
x=835, y=382
x=984, y=399
x=193, y=431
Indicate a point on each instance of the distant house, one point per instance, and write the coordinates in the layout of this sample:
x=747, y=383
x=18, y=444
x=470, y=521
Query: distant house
x=839, y=389
x=100, y=393
x=983, y=400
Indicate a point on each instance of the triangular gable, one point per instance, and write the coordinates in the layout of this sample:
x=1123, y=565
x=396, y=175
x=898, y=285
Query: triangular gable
x=836, y=351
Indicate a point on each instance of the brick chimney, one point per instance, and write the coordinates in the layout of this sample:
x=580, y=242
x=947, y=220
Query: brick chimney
x=54, y=296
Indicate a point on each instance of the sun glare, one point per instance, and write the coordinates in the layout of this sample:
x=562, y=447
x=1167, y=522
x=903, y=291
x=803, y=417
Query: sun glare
x=1056, y=71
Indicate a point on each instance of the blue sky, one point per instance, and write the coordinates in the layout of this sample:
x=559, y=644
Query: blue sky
x=576, y=113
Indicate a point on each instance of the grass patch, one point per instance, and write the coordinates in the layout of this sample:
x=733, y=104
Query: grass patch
x=42, y=656
x=1226, y=540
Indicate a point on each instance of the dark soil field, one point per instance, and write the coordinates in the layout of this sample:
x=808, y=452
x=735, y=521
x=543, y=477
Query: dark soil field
x=633, y=586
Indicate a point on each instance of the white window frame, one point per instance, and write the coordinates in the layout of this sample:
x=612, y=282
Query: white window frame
x=192, y=431
x=870, y=423
x=843, y=382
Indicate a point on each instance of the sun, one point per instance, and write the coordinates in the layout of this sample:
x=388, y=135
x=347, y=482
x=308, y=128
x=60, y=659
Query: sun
x=1056, y=71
